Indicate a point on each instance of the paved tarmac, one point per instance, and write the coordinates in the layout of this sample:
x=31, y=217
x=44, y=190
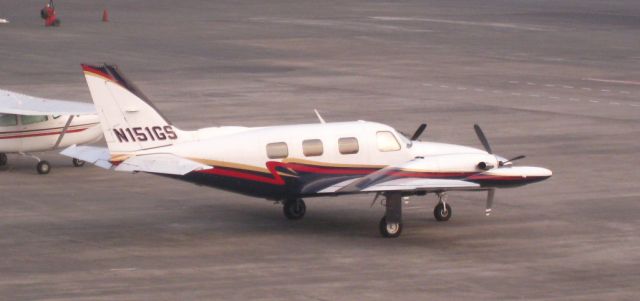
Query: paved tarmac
x=558, y=81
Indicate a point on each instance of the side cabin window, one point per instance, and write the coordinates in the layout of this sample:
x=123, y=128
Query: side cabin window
x=30, y=119
x=312, y=147
x=277, y=150
x=8, y=120
x=387, y=142
x=348, y=145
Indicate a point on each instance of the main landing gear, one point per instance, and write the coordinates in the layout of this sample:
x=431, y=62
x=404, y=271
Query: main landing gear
x=43, y=167
x=77, y=162
x=294, y=209
x=3, y=159
x=391, y=223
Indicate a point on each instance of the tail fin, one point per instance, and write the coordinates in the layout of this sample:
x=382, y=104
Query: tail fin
x=129, y=120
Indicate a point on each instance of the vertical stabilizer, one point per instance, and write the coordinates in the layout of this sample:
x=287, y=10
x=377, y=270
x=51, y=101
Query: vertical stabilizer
x=130, y=122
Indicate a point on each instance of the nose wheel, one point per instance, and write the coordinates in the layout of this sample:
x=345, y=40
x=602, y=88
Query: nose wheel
x=442, y=212
x=294, y=209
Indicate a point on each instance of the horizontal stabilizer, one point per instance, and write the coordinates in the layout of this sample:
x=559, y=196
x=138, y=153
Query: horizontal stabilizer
x=98, y=156
x=161, y=163
x=21, y=104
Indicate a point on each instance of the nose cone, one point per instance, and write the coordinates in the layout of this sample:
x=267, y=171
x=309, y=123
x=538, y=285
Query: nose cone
x=539, y=172
x=548, y=172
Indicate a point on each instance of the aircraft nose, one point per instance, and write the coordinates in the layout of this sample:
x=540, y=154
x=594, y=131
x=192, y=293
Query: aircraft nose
x=545, y=172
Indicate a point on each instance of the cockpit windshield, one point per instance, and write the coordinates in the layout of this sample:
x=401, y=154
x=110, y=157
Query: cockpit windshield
x=403, y=138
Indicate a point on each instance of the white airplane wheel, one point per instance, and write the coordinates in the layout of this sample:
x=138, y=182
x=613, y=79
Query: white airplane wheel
x=3, y=159
x=390, y=230
x=442, y=213
x=43, y=167
x=78, y=163
x=294, y=209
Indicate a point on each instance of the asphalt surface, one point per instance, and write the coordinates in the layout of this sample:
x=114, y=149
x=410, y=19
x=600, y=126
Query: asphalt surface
x=558, y=81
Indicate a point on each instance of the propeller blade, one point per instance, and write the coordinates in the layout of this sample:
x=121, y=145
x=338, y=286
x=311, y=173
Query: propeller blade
x=418, y=132
x=482, y=138
x=490, y=193
x=514, y=159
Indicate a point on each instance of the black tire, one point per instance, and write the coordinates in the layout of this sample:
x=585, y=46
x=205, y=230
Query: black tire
x=440, y=214
x=294, y=209
x=390, y=230
x=43, y=167
x=77, y=162
x=3, y=159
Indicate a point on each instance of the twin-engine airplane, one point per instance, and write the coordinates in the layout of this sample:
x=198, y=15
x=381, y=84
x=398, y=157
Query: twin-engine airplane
x=291, y=162
x=30, y=124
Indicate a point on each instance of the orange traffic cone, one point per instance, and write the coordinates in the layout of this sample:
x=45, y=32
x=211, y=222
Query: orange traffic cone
x=105, y=15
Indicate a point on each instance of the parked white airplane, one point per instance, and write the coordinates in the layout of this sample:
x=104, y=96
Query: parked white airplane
x=30, y=124
x=290, y=162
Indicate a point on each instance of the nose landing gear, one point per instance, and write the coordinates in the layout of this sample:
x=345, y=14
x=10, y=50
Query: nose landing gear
x=442, y=212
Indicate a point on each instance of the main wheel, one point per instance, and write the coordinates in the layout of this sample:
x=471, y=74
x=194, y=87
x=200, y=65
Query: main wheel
x=77, y=162
x=43, y=167
x=390, y=230
x=441, y=213
x=294, y=209
x=3, y=159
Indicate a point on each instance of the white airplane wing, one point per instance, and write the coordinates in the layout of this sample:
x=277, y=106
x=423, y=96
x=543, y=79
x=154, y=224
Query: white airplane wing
x=154, y=163
x=405, y=184
x=404, y=177
x=161, y=163
x=21, y=104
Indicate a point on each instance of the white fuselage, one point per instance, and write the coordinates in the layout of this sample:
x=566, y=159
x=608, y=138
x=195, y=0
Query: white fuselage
x=245, y=159
x=40, y=133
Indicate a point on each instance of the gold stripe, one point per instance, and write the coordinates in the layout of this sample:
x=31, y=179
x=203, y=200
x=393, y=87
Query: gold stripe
x=324, y=164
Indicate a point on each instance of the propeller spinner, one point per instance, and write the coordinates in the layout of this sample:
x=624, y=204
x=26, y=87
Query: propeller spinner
x=501, y=161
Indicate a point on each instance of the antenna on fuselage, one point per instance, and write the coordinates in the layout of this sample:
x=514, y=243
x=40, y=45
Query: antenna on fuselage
x=319, y=116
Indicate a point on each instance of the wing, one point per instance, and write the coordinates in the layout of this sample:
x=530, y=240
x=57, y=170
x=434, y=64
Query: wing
x=21, y=104
x=161, y=163
x=153, y=163
x=410, y=176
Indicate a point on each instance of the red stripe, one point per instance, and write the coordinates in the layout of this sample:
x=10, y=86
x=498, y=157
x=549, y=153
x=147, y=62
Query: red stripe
x=93, y=70
x=42, y=134
x=416, y=174
x=271, y=165
x=329, y=170
x=505, y=178
x=48, y=129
